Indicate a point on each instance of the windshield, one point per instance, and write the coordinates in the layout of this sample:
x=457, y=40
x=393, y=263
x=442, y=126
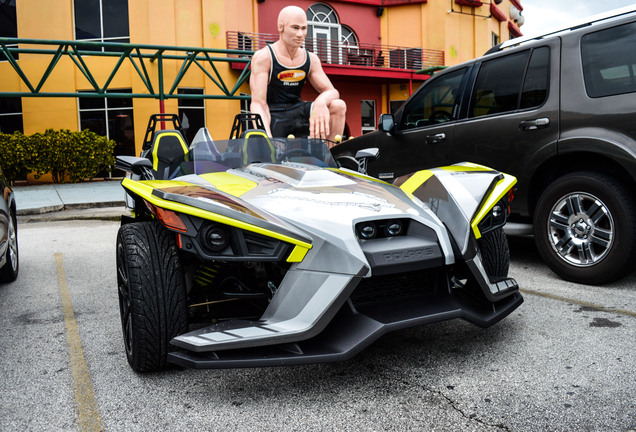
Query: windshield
x=206, y=155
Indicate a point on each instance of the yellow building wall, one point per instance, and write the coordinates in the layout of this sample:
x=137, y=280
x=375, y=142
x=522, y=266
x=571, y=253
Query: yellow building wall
x=185, y=23
x=204, y=23
x=432, y=25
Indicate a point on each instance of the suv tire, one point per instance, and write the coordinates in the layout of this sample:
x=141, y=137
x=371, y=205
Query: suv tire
x=152, y=293
x=585, y=228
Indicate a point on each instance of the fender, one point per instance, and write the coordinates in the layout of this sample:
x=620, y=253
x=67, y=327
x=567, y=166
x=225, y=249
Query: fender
x=214, y=205
x=461, y=195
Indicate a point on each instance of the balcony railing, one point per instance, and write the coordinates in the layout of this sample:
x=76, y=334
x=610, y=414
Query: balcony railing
x=339, y=54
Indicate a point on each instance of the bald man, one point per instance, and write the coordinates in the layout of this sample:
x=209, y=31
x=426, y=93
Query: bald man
x=279, y=72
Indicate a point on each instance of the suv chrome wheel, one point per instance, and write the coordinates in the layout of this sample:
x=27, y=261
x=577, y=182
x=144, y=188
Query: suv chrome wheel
x=581, y=229
x=585, y=228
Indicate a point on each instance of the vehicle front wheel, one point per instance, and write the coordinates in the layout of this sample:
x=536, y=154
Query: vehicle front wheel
x=495, y=253
x=585, y=228
x=152, y=293
x=9, y=271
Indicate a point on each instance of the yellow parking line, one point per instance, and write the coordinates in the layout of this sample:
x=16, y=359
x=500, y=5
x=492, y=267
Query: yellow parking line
x=580, y=303
x=88, y=412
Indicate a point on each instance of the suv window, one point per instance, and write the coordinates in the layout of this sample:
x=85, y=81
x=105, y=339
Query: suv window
x=609, y=61
x=535, y=85
x=499, y=83
x=434, y=103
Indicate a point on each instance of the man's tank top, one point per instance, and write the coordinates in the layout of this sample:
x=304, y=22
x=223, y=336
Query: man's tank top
x=285, y=84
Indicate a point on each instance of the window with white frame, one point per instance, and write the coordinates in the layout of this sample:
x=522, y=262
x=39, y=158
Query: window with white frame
x=11, y=115
x=326, y=37
x=101, y=20
x=110, y=117
x=367, y=115
x=191, y=111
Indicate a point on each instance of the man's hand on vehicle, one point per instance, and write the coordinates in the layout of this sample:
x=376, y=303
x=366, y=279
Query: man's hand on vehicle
x=319, y=121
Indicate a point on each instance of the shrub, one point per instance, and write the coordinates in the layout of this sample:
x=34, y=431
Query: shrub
x=62, y=153
x=12, y=156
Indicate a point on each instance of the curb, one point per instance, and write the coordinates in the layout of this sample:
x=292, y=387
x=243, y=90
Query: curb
x=65, y=207
x=113, y=213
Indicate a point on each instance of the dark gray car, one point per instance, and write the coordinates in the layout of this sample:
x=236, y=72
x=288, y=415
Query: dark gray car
x=559, y=113
x=9, y=263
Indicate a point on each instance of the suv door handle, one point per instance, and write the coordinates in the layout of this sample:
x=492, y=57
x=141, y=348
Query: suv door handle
x=535, y=124
x=432, y=139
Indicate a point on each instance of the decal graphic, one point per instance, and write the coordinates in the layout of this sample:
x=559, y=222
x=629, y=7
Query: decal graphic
x=291, y=77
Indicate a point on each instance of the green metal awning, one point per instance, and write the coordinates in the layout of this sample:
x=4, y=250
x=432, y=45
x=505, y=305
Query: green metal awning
x=149, y=62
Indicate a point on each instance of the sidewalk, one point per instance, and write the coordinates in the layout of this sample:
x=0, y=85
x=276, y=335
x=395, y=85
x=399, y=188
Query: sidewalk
x=105, y=200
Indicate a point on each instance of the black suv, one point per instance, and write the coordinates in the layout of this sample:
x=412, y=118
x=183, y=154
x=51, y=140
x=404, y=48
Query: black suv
x=558, y=112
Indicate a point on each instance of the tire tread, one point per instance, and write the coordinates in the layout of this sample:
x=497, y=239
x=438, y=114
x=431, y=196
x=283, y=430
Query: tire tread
x=158, y=299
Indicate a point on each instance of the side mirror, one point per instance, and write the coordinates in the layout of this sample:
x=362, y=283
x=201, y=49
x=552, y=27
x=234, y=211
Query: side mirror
x=368, y=153
x=386, y=123
x=364, y=156
x=141, y=166
x=135, y=165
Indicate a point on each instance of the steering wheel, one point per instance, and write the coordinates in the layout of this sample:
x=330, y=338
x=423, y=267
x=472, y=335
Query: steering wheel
x=294, y=152
x=439, y=116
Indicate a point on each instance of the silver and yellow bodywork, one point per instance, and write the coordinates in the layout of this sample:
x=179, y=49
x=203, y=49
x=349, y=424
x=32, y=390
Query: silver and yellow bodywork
x=340, y=291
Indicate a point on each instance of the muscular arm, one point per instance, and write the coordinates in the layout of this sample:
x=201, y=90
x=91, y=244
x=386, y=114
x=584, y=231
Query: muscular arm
x=259, y=77
x=319, y=120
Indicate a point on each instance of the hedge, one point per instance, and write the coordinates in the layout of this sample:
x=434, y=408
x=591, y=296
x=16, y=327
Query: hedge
x=78, y=155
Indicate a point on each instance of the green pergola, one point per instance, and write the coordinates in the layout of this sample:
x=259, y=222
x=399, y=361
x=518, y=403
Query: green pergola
x=143, y=58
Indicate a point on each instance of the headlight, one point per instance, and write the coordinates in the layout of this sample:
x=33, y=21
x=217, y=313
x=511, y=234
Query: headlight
x=495, y=218
x=381, y=228
x=367, y=230
x=393, y=228
x=216, y=238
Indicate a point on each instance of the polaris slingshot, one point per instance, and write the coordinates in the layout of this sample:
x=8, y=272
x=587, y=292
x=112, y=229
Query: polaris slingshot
x=256, y=251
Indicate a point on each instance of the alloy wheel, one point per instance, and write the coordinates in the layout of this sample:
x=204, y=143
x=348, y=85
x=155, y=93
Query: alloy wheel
x=581, y=229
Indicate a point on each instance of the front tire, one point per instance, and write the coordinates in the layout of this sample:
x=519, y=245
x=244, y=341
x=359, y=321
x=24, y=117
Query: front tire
x=495, y=253
x=152, y=293
x=585, y=228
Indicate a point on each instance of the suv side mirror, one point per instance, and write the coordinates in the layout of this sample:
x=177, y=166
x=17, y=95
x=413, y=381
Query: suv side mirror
x=386, y=123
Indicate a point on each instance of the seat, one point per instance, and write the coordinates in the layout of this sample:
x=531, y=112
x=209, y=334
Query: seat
x=244, y=122
x=167, y=152
x=257, y=147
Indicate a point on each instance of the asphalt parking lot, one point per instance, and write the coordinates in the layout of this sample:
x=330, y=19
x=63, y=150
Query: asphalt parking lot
x=564, y=361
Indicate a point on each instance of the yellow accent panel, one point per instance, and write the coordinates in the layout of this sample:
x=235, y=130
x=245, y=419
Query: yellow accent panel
x=147, y=186
x=466, y=166
x=144, y=190
x=298, y=254
x=229, y=183
x=499, y=191
x=155, y=147
x=358, y=175
x=416, y=180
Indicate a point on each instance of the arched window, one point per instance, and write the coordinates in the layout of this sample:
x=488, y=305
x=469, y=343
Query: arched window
x=321, y=13
x=348, y=37
x=326, y=36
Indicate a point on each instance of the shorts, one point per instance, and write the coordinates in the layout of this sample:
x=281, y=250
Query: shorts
x=290, y=119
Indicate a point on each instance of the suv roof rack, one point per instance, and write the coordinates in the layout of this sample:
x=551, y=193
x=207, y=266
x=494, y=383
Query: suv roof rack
x=575, y=25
